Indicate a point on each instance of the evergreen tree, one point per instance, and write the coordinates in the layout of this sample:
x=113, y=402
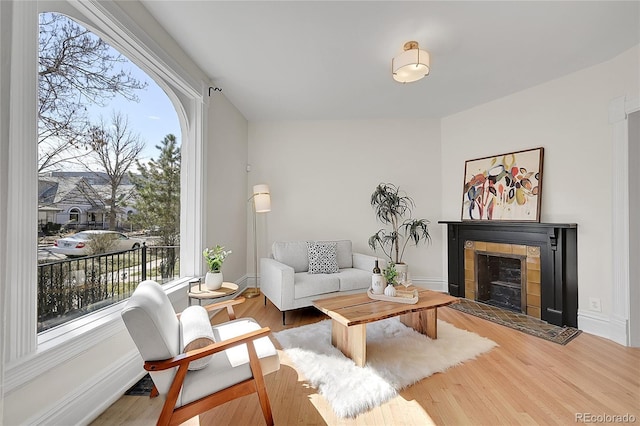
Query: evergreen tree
x=158, y=198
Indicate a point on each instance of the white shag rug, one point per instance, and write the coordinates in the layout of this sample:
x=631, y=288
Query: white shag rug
x=397, y=357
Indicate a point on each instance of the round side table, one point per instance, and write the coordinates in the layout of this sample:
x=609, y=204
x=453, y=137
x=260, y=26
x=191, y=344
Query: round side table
x=199, y=291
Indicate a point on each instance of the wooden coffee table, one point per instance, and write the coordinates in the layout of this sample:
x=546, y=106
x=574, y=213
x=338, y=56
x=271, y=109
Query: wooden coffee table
x=351, y=313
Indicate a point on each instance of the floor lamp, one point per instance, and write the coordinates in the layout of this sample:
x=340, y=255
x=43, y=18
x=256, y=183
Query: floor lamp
x=261, y=204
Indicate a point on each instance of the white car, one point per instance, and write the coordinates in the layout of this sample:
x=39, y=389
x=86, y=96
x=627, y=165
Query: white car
x=77, y=244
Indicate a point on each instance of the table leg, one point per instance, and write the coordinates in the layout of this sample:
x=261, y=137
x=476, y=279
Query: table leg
x=352, y=341
x=425, y=322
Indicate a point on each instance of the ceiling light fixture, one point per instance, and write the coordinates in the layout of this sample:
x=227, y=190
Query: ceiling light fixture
x=411, y=65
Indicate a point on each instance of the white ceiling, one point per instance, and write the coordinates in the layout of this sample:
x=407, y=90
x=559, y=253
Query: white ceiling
x=297, y=60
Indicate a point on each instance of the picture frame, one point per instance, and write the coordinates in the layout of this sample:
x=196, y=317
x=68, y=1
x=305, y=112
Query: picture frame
x=503, y=187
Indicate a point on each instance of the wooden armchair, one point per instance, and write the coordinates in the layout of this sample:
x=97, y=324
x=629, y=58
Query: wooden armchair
x=241, y=355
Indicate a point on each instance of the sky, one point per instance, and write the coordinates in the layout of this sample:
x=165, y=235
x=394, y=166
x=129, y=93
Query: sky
x=152, y=118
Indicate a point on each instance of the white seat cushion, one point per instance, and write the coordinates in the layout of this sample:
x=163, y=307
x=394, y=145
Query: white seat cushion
x=231, y=366
x=306, y=285
x=354, y=279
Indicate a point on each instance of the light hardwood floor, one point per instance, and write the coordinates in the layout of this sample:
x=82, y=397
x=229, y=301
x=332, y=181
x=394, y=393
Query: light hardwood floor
x=526, y=380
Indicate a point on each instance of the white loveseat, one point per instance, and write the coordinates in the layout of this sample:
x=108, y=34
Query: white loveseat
x=285, y=279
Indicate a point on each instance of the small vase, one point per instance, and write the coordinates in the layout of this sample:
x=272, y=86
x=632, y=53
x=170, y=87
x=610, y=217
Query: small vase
x=213, y=280
x=390, y=290
x=377, y=284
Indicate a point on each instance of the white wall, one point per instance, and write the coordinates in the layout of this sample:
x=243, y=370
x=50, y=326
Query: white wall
x=226, y=183
x=569, y=118
x=96, y=376
x=322, y=173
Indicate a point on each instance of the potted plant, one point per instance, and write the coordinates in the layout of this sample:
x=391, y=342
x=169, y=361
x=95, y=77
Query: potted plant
x=393, y=207
x=390, y=275
x=215, y=258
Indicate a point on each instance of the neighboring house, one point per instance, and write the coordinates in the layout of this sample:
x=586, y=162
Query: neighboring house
x=80, y=200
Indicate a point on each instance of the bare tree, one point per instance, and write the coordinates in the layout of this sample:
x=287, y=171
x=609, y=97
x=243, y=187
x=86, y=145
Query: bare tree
x=116, y=148
x=76, y=68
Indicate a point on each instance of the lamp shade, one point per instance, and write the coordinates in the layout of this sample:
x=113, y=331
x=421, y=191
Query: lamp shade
x=261, y=198
x=411, y=65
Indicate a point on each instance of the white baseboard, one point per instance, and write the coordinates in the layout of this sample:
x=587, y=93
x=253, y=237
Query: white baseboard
x=88, y=401
x=603, y=326
x=435, y=284
x=619, y=330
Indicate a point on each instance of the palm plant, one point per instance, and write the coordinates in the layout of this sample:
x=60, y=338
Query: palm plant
x=391, y=206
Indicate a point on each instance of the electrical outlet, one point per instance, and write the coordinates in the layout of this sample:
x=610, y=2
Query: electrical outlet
x=594, y=304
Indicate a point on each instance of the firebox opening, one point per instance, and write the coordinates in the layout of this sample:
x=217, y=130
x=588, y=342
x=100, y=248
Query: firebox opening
x=500, y=281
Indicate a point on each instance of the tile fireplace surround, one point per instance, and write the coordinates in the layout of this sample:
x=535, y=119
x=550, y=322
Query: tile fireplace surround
x=527, y=256
x=549, y=256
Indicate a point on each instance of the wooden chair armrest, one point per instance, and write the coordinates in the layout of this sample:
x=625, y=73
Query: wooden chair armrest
x=229, y=304
x=224, y=303
x=187, y=357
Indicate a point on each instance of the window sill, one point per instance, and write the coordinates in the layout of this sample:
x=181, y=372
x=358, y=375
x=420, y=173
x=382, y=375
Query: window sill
x=62, y=343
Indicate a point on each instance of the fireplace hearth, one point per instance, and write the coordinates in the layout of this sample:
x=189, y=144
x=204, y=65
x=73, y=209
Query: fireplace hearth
x=521, y=266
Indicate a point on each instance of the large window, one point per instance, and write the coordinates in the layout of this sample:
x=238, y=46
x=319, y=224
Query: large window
x=29, y=355
x=108, y=148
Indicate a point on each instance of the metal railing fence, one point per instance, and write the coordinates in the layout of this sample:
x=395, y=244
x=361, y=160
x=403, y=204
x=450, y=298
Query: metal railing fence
x=71, y=288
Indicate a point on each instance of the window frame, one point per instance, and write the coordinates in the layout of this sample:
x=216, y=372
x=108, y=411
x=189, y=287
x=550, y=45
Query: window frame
x=77, y=212
x=27, y=353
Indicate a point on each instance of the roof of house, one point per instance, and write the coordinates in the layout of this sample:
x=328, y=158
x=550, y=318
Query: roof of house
x=67, y=190
x=84, y=188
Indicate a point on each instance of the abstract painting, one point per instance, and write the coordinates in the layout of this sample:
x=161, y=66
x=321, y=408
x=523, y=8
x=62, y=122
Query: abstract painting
x=503, y=187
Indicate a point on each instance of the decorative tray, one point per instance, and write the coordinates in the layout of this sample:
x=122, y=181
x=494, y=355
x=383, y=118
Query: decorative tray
x=409, y=297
